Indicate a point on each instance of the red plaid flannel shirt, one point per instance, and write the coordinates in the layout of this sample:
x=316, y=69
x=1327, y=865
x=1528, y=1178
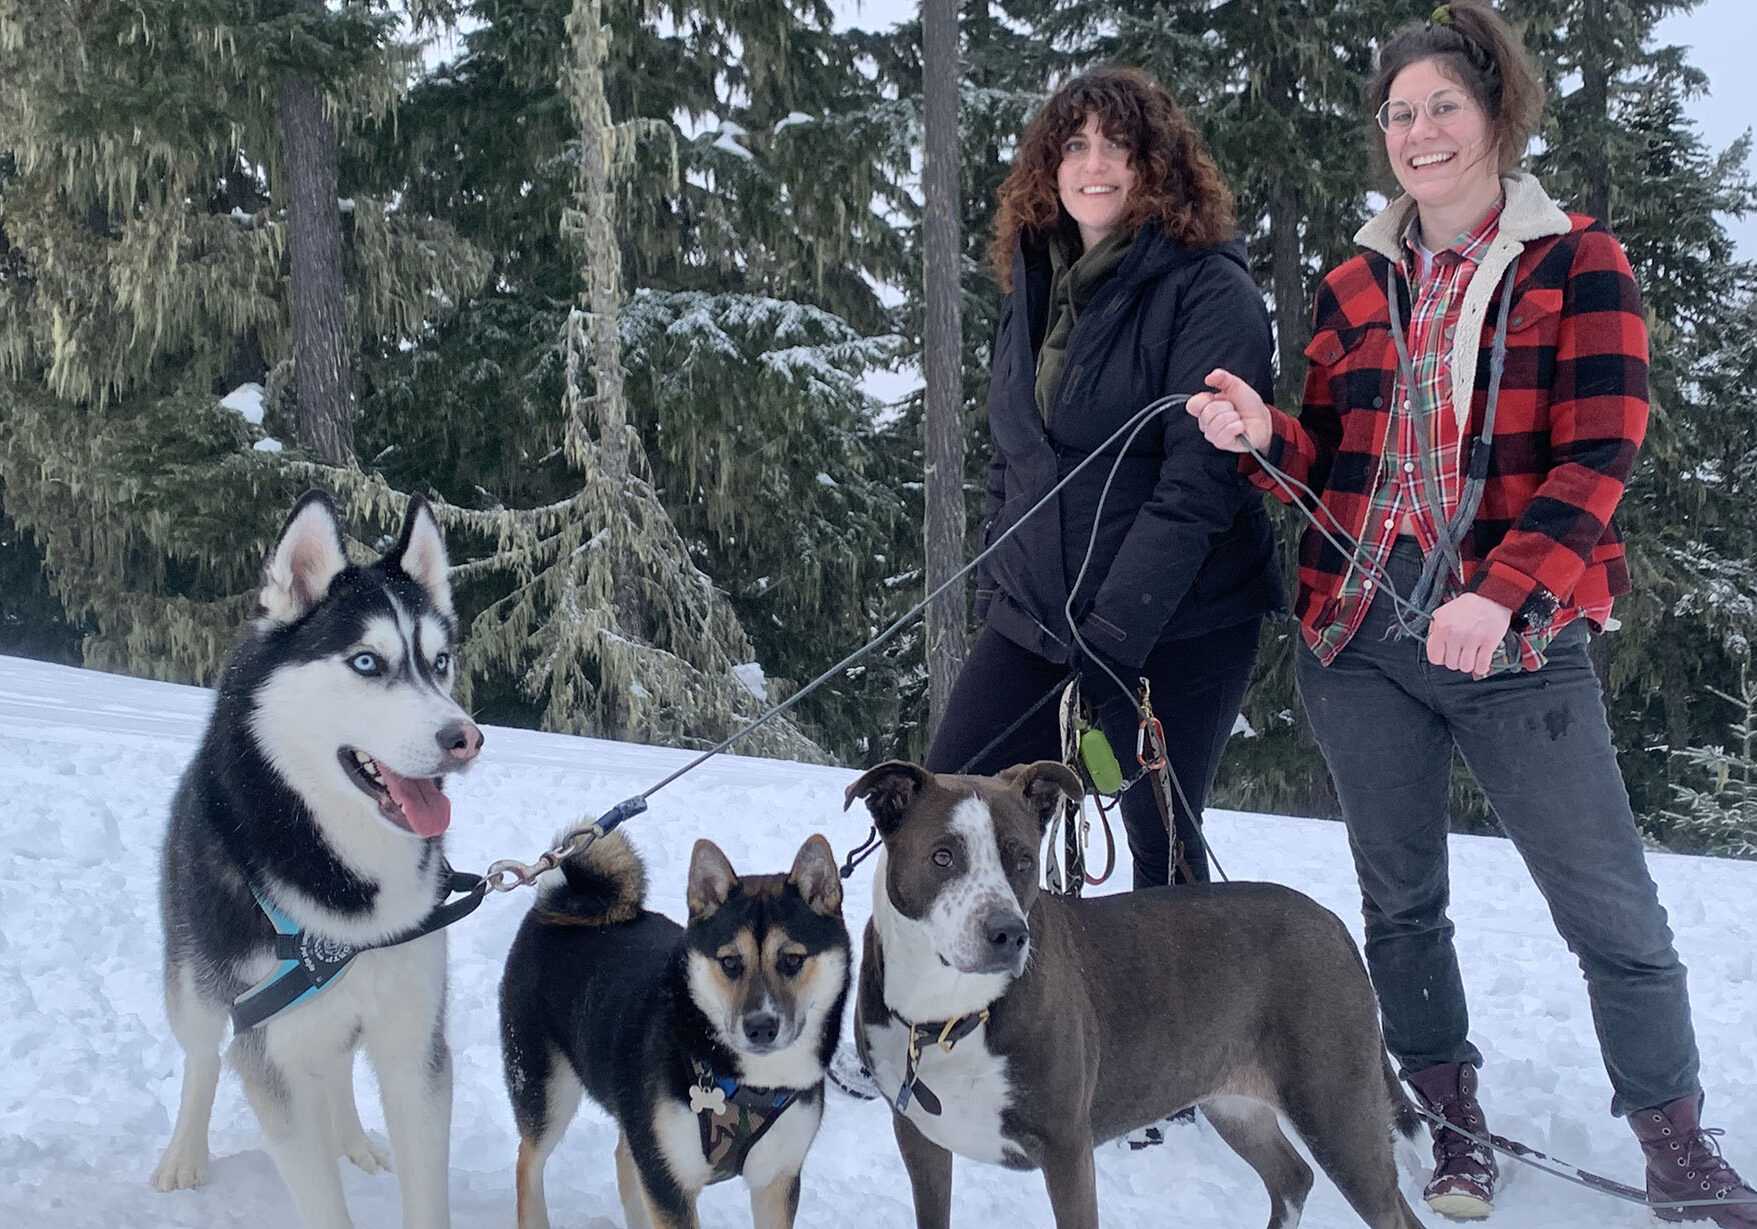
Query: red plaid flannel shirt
x=1572, y=413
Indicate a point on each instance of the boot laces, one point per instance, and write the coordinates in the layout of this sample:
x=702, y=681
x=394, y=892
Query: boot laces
x=1702, y=1159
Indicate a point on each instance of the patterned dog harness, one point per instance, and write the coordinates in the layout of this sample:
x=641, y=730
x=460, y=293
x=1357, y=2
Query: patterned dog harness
x=733, y=1118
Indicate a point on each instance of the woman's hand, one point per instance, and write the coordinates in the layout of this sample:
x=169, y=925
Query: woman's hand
x=1465, y=633
x=1230, y=412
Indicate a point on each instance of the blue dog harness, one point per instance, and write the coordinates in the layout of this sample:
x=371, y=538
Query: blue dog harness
x=309, y=962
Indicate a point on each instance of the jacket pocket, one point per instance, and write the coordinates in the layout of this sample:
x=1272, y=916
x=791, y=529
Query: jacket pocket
x=1331, y=346
x=1533, y=317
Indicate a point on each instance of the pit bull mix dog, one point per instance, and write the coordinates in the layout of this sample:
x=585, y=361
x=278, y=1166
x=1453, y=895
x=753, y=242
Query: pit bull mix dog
x=1022, y=1028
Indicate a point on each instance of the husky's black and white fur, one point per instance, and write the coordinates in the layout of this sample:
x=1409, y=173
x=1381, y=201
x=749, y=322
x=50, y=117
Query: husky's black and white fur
x=706, y=1043
x=316, y=789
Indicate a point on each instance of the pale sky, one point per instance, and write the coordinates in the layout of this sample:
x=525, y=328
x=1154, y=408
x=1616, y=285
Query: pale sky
x=1721, y=32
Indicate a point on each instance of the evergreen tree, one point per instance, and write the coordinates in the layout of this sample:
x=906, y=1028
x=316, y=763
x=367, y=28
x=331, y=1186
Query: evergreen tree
x=143, y=235
x=749, y=236
x=1620, y=145
x=1720, y=814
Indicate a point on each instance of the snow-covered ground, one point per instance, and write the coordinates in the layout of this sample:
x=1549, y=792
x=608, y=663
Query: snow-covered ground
x=89, y=1083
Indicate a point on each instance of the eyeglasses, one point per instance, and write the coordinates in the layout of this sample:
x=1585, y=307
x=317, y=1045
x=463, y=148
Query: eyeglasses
x=1443, y=107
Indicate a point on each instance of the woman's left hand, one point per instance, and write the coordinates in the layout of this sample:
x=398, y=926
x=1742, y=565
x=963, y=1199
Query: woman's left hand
x=1465, y=633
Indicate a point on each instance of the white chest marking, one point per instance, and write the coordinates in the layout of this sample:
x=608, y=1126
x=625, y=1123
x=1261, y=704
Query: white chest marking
x=970, y=1083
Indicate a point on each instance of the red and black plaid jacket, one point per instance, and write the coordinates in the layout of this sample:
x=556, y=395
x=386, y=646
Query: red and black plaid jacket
x=1572, y=412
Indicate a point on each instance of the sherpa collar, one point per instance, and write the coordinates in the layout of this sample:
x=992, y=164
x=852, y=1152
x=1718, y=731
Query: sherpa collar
x=1527, y=216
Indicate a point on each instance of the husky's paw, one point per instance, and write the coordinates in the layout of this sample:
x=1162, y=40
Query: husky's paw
x=183, y=1167
x=368, y=1154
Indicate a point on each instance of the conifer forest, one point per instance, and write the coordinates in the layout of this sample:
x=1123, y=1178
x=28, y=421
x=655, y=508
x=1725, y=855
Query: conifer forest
x=609, y=281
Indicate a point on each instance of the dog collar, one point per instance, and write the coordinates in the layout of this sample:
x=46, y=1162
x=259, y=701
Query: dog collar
x=308, y=962
x=733, y=1117
x=943, y=1033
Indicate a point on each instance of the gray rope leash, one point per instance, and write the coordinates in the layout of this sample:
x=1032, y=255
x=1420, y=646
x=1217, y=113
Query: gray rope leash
x=507, y=874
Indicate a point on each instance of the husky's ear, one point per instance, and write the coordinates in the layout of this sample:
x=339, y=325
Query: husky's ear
x=711, y=880
x=420, y=554
x=814, y=874
x=888, y=790
x=306, y=558
x=1045, y=786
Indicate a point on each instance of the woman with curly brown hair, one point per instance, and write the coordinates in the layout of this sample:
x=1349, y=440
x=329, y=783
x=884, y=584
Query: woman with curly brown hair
x=1115, y=243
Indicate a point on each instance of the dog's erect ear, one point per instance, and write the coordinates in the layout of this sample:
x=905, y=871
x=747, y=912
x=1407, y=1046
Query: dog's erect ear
x=888, y=790
x=420, y=554
x=814, y=874
x=306, y=558
x=711, y=880
x=1045, y=786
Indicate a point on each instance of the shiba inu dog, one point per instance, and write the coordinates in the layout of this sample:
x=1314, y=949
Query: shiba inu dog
x=1012, y=1026
x=707, y=1042
x=313, y=812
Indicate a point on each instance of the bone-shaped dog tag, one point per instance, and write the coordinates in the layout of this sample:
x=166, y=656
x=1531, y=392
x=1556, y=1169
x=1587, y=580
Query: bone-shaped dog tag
x=707, y=1100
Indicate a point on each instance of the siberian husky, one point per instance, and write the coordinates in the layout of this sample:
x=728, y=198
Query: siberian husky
x=313, y=808
x=706, y=1043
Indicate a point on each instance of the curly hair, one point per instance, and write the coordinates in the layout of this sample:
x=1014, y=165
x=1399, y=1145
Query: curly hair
x=1177, y=183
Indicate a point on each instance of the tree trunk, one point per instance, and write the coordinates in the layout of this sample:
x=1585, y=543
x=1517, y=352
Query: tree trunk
x=942, y=333
x=1287, y=273
x=1595, y=75
x=598, y=237
x=320, y=313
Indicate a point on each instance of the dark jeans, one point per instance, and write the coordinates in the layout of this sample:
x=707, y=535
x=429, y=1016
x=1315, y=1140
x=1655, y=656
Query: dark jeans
x=1539, y=746
x=1198, y=685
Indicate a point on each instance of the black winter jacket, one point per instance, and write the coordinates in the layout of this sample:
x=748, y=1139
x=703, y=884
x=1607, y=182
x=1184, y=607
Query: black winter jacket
x=1183, y=544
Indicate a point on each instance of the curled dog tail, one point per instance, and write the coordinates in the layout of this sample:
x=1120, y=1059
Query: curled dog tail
x=600, y=885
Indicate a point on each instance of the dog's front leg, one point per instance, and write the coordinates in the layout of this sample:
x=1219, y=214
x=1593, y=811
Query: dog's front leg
x=1072, y=1181
x=349, y=1135
x=930, y=1174
x=774, y=1206
x=416, y=1084
x=293, y=1108
x=199, y=1027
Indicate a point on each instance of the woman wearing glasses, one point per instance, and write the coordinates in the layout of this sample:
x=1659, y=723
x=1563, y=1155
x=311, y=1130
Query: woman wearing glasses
x=1476, y=393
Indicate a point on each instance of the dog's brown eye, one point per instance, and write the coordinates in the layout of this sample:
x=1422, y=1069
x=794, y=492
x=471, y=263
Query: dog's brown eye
x=1024, y=862
x=790, y=963
x=942, y=857
x=732, y=967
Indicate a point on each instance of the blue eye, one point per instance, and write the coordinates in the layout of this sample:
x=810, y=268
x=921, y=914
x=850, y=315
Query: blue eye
x=367, y=664
x=441, y=663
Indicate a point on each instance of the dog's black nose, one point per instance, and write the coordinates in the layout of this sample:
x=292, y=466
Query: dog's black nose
x=1006, y=932
x=761, y=1028
x=460, y=739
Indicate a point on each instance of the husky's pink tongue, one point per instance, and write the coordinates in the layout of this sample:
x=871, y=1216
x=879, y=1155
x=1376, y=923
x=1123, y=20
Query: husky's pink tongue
x=427, y=810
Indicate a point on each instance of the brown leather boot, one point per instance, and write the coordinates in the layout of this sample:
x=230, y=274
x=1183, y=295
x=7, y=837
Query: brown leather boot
x=1463, y=1185
x=1684, y=1164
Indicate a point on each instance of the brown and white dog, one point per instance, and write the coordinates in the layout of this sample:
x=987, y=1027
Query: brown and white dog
x=1021, y=1028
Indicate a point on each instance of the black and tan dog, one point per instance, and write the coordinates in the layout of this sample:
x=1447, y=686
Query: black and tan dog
x=1021, y=1028
x=706, y=1043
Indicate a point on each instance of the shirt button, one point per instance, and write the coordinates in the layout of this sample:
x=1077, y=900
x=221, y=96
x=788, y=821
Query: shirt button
x=1366, y=584
x=1409, y=467
x=1407, y=407
x=1390, y=522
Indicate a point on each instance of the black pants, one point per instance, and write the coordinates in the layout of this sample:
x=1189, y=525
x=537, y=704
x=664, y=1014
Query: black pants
x=1198, y=685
